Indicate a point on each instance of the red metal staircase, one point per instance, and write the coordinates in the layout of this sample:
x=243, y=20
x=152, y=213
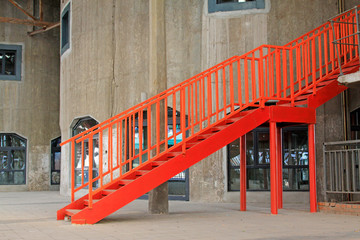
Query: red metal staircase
x=130, y=153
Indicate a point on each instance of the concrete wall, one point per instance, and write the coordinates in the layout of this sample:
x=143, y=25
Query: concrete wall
x=109, y=54
x=106, y=69
x=30, y=107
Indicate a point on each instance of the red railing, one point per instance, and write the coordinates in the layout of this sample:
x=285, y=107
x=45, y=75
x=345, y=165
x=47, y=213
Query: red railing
x=124, y=143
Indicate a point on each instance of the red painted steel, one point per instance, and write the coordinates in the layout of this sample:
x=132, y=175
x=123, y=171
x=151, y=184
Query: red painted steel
x=312, y=168
x=273, y=169
x=280, y=161
x=301, y=73
x=243, y=173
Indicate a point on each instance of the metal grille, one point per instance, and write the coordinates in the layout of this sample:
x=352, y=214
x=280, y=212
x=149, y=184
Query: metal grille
x=341, y=167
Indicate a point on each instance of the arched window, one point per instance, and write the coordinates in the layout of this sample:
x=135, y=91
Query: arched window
x=12, y=159
x=82, y=162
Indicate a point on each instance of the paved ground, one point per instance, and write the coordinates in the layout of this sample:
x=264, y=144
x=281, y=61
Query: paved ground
x=32, y=215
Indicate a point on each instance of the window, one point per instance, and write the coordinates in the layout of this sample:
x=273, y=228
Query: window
x=55, y=161
x=12, y=159
x=178, y=186
x=234, y=5
x=295, y=160
x=10, y=62
x=65, y=29
x=355, y=124
x=81, y=161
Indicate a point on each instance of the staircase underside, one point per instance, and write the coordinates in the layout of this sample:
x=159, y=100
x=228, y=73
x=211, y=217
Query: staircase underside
x=164, y=167
x=152, y=173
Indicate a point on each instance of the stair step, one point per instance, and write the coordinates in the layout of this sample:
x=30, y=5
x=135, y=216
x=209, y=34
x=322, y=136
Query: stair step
x=218, y=128
x=106, y=192
x=124, y=182
x=141, y=172
x=350, y=69
x=173, y=154
x=191, y=144
x=302, y=97
x=325, y=83
x=71, y=212
x=204, y=136
x=310, y=91
x=159, y=162
x=86, y=201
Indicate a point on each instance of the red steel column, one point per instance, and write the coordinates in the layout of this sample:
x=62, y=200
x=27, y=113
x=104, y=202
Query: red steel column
x=273, y=169
x=242, y=173
x=312, y=168
x=280, y=175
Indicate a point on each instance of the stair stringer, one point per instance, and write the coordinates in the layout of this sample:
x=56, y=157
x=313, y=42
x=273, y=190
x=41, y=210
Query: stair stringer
x=164, y=172
x=324, y=94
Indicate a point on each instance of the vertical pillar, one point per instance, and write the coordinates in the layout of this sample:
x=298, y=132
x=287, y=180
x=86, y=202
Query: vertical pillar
x=273, y=169
x=312, y=168
x=280, y=175
x=242, y=173
x=158, y=197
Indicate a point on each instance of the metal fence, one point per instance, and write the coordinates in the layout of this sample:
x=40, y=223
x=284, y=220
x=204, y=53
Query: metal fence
x=341, y=167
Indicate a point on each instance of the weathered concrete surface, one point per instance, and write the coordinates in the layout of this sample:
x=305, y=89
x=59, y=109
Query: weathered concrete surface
x=158, y=197
x=30, y=215
x=30, y=107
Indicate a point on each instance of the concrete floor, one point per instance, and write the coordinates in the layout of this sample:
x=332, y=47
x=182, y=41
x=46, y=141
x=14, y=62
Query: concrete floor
x=32, y=215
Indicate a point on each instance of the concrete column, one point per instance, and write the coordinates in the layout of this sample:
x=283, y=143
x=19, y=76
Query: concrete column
x=158, y=198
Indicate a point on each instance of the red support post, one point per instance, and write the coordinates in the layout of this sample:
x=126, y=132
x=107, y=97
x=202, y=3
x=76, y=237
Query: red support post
x=312, y=168
x=273, y=169
x=280, y=175
x=242, y=173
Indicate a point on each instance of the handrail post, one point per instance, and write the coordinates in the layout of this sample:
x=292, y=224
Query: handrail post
x=90, y=180
x=73, y=170
x=261, y=79
x=182, y=119
x=291, y=76
x=357, y=28
x=337, y=47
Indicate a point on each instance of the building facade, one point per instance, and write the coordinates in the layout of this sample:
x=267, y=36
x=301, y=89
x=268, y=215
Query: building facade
x=29, y=100
x=104, y=70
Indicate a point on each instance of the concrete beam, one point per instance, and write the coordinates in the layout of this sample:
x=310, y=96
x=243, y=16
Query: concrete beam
x=350, y=79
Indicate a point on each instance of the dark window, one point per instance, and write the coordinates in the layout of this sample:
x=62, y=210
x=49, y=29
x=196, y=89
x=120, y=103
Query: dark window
x=55, y=161
x=234, y=5
x=12, y=159
x=10, y=62
x=295, y=160
x=65, y=29
x=355, y=124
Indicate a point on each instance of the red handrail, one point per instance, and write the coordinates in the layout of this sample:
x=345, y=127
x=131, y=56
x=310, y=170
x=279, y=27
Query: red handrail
x=119, y=146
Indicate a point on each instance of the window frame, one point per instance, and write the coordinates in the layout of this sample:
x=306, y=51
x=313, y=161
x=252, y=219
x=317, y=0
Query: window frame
x=12, y=148
x=74, y=126
x=214, y=6
x=65, y=29
x=257, y=165
x=18, y=61
x=54, y=149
